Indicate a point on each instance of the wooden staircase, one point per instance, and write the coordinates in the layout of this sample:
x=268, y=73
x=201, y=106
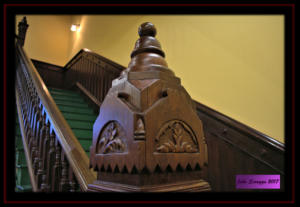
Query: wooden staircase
x=65, y=101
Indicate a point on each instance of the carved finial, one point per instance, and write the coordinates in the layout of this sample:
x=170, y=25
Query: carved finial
x=147, y=29
x=147, y=54
x=147, y=42
x=24, y=20
x=22, y=28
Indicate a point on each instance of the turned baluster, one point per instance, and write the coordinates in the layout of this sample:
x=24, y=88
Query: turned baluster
x=33, y=146
x=37, y=123
x=36, y=147
x=72, y=182
x=24, y=101
x=34, y=109
x=45, y=146
x=20, y=83
x=64, y=184
x=29, y=101
x=44, y=186
x=30, y=98
x=35, y=165
x=26, y=91
x=56, y=171
x=50, y=159
x=28, y=139
x=40, y=174
x=42, y=135
x=32, y=114
x=28, y=132
x=18, y=87
x=33, y=149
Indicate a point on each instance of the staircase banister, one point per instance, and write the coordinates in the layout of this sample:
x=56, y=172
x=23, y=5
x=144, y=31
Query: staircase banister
x=76, y=156
x=26, y=151
x=118, y=67
x=238, y=126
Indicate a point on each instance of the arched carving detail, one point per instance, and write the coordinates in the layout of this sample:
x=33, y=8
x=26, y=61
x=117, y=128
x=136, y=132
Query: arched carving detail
x=111, y=139
x=176, y=136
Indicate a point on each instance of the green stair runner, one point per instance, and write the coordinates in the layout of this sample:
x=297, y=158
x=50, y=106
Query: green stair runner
x=77, y=113
x=80, y=118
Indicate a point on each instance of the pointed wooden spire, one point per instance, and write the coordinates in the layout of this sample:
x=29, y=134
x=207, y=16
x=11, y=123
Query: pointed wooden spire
x=22, y=28
x=147, y=54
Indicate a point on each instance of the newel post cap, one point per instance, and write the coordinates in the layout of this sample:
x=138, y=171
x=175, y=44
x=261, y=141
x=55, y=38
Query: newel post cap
x=147, y=43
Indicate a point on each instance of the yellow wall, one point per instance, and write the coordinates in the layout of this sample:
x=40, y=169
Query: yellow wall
x=47, y=37
x=233, y=64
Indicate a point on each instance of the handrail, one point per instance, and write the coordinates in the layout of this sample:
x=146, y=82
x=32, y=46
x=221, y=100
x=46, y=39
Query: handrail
x=76, y=155
x=118, y=67
x=263, y=138
x=90, y=96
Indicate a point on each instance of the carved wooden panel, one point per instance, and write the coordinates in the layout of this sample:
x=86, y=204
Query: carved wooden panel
x=176, y=136
x=111, y=139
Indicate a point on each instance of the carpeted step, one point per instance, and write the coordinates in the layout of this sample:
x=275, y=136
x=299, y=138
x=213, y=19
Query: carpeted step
x=77, y=113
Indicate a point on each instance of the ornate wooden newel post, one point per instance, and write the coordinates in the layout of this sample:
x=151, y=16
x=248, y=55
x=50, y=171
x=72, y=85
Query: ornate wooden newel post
x=22, y=29
x=148, y=136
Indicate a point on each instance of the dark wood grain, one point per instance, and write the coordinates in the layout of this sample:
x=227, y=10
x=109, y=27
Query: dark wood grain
x=92, y=71
x=148, y=124
x=52, y=75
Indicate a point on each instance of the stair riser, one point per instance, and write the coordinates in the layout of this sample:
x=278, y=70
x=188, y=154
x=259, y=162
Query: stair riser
x=70, y=109
x=68, y=99
x=79, y=117
x=67, y=103
x=63, y=92
x=83, y=134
